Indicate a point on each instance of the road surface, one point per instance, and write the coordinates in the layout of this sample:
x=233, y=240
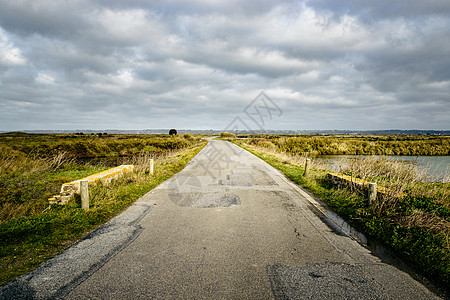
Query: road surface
x=228, y=226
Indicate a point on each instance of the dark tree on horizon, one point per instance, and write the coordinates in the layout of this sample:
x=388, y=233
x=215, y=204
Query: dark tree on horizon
x=173, y=132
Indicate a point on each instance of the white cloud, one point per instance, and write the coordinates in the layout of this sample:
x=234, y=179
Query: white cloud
x=125, y=27
x=9, y=55
x=45, y=78
x=124, y=77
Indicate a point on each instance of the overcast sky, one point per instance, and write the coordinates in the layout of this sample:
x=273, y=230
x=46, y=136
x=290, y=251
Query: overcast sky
x=136, y=64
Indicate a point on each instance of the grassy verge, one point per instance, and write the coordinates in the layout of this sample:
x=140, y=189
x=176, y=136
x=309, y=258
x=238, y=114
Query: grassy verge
x=29, y=240
x=416, y=227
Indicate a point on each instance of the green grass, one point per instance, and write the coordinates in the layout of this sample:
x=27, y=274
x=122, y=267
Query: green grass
x=29, y=240
x=416, y=227
x=26, y=194
x=73, y=172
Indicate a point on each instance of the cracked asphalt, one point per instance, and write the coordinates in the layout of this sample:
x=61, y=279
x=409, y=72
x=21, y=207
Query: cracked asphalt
x=228, y=226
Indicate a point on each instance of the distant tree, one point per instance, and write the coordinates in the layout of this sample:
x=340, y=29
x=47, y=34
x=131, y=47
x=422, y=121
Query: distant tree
x=173, y=132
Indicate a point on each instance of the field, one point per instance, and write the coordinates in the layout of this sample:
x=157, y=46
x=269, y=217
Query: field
x=355, y=144
x=416, y=227
x=33, y=167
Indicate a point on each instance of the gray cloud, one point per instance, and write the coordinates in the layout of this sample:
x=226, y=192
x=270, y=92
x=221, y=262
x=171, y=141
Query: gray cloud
x=370, y=10
x=139, y=64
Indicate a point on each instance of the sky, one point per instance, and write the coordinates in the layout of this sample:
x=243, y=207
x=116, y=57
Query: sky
x=215, y=64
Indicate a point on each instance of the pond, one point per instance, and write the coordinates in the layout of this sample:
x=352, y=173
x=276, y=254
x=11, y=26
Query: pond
x=437, y=167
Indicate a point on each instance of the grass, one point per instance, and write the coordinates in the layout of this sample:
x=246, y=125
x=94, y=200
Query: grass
x=89, y=146
x=416, y=227
x=34, y=166
x=30, y=234
x=355, y=144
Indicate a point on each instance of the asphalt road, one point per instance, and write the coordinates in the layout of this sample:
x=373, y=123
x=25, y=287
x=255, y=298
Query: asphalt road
x=228, y=226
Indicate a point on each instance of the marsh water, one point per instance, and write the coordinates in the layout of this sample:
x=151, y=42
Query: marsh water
x=437, y=167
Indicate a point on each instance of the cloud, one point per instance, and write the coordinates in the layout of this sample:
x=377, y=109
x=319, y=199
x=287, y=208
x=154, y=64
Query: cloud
x=369, y=10
x=140, y=64
x=9, y=55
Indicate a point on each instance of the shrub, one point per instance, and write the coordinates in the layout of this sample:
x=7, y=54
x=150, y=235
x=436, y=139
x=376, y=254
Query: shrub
x=227, y=135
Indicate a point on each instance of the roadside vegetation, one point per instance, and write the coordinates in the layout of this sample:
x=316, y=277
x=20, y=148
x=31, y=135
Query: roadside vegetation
x=415, y=226
x=33, y=168
x=354, y=144
x=227, y=135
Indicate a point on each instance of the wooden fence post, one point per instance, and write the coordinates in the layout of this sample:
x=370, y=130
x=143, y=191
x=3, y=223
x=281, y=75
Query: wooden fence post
x=84, y=191
x=152, y=164
x=372, y=193
x=307, y=167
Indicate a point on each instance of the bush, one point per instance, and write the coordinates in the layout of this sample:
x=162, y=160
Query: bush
x=227, y=135
x=366, y=145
